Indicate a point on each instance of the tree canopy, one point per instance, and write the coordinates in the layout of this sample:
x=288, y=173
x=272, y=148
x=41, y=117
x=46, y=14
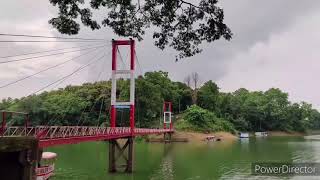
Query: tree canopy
x=179, y=24
x=241, y=110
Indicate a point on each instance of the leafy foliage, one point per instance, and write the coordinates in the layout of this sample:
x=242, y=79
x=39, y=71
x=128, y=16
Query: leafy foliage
x=241, y=110
x=208, y=96
x=200, y=119
x=89, y=104
x=177, y=23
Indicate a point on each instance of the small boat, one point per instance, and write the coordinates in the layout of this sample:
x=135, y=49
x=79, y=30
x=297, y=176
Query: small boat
x=212, y=138
x=244, y=135
x=261, y=134
x=46, y=167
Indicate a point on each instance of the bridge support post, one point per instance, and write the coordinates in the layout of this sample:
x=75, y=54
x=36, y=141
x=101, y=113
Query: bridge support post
x=3, y=123
x=112, y=159
x=167, y=137
x=129, y=168
x=121, y=154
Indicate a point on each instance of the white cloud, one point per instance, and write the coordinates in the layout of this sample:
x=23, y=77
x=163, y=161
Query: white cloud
x=31, y=18
x=267, y=50
x=288, y=60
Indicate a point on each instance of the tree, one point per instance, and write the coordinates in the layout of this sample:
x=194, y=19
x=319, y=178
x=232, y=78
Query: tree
x=160, y=80
x=275, y=105
x=315, y=119
x=177, y=23
x=148, y=102
x=195, y=79
x=244, y=110
x=224, y=104
x=187, y=80
x=184, y=97
x=253, y=112
x=5, y=103
x=208, y=96
x=200, y=119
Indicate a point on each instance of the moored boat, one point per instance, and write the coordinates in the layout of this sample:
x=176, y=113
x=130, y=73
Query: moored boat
x=261, y=134
x=46, y=168
x=244, y=135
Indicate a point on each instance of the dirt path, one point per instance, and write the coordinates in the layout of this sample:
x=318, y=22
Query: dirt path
x=199, y=137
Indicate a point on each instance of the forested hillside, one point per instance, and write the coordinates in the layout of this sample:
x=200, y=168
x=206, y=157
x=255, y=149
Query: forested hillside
x=213, y=110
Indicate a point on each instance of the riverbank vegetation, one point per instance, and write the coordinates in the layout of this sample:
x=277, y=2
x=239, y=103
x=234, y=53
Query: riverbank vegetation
x=202, y=108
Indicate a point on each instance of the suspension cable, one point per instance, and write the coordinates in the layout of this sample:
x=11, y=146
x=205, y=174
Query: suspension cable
x=51, y=67
x=123, y=63
x=67, y=76
x=54, y=54
x=102, y=102
x=64, y=115
x=139, y=65
x=49, y=37
x=93, y=105
x=59, y=81
x=103, y=67
x=103, y=98
x=33, y=41
x=40, y=52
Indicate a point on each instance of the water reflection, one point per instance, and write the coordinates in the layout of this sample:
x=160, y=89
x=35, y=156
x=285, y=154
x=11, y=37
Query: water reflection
x=188, y=161
x=166, y=167
x=165, y=170
x=244, y=144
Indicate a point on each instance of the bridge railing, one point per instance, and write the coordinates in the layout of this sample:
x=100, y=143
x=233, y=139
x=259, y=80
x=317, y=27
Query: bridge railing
x=50, y=132
x=54, y=132
x=151, y=131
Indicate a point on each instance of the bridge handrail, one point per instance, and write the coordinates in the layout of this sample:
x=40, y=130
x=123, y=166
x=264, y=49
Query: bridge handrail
x=62, y=131
x=53, y=132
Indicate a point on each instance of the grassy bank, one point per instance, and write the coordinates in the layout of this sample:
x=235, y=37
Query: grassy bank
x=198, y=136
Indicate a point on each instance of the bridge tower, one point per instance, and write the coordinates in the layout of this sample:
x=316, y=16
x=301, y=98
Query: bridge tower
x=116, y=151
x=167, y=115
x=167, y=119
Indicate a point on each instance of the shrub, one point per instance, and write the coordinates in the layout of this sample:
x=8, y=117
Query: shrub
x=199, y=119
x=223, y=125
x=198, y=116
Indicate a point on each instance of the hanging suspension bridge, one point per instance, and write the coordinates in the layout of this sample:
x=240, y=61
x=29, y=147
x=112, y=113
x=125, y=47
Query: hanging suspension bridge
x=49, y=135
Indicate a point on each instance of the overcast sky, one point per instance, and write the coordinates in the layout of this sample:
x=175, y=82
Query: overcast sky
x=274, y=45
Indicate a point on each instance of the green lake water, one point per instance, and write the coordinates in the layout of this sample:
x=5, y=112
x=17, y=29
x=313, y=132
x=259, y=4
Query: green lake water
x=186, y=161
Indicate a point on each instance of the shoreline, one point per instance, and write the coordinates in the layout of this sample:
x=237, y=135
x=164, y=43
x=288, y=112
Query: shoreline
x=284, y=134
x=197, y=136
x=200, y=137
x=229, y=136
x=193, y=137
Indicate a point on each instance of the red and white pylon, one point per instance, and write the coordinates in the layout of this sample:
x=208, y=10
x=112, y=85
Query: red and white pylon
x=167, y=114
x=115, y=72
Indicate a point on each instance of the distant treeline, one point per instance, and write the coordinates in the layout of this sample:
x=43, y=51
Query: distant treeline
x=203, y=108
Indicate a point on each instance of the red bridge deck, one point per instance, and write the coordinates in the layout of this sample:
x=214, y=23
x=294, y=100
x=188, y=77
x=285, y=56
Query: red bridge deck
x=59, y=135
